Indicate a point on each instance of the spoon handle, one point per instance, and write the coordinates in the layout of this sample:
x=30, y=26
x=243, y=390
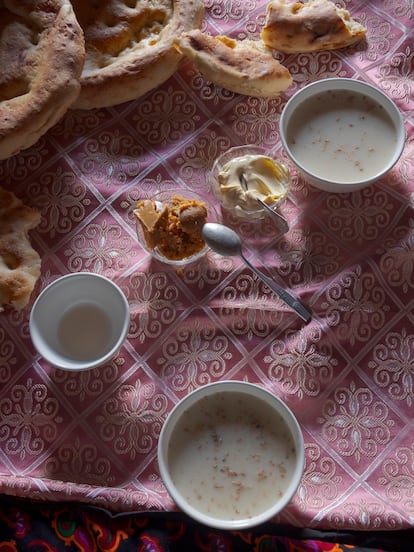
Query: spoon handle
x=278, y=219
x=281, y=292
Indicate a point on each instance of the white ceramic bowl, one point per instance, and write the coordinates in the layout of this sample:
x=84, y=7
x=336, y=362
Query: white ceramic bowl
x=231, y=455
x=165, y=197
x=79, y=321
x=342, y=134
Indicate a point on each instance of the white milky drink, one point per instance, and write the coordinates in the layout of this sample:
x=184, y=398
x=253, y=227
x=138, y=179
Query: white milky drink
x=342, y=135
x=85, y=331
x=231, y=457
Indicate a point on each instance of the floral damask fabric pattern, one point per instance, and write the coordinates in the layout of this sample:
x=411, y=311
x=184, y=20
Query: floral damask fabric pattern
x=348, y=375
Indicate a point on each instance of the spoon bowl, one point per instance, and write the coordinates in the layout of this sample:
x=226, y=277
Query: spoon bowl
x=224, y=241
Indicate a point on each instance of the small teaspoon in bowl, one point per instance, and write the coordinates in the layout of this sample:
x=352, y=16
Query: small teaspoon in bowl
x=278, y=219
x=224, y=241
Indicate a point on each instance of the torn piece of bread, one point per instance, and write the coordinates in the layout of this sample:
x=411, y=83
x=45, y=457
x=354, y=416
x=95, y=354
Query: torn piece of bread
x=41, y=57
x=19, y=262
x=245, y=67
x=299, y=27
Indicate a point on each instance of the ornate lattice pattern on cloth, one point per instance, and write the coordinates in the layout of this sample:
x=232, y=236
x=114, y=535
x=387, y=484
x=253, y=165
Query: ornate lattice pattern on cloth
x=348, y=375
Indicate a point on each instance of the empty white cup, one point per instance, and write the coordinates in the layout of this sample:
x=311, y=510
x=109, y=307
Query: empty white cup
x=79, y=321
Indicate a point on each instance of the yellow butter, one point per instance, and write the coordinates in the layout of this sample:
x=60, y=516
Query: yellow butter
x=266, y=179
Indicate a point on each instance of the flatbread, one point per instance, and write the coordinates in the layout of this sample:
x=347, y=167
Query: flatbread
x=41, y=58
x=299, y=27
x=19, y=262
x=245, y=67
x=129, y=46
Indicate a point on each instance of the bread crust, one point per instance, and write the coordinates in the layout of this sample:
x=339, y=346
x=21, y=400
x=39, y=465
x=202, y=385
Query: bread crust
x=121, y=66
x=299, y=27
x=19, y=262
x=245, y=67
x=42, y=47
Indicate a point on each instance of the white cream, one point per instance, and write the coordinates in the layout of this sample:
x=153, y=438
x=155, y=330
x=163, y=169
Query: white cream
x=342, y=136
x=266, y=179
x=231, y=457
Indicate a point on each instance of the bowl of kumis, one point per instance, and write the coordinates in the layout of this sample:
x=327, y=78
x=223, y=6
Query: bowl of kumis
x=342, y=134
x=231, y=455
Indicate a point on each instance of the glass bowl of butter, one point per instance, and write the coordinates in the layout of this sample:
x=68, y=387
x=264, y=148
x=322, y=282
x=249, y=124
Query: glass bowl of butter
x=245, y=174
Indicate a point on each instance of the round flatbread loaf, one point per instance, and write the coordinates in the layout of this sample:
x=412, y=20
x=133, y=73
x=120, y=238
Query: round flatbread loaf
x=245, y=67
x=298, y=27
x=129, y=46
x=41, y=59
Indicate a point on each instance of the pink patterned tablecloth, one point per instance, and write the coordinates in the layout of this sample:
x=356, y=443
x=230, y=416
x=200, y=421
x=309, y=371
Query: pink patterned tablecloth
x=348, y=375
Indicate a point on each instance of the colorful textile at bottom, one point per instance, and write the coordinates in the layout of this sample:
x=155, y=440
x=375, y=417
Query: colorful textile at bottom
x=51, y=527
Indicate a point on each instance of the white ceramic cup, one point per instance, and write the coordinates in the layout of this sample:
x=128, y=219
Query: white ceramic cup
x=79, y=321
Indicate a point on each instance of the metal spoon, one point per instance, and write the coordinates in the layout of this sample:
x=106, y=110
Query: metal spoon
x=224, y=241
x=278, y=219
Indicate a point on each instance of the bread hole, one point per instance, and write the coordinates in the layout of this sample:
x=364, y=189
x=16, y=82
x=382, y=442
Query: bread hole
x=110, y=20
x=10, y=260
x=131, y=4
x=13, y=89
x=34, y=33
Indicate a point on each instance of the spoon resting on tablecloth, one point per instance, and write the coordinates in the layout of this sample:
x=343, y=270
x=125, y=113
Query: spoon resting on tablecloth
x=224, y=241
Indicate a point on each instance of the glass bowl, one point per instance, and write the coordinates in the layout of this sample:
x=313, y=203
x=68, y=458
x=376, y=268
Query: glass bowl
x=238, y=206
x=164, y=199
